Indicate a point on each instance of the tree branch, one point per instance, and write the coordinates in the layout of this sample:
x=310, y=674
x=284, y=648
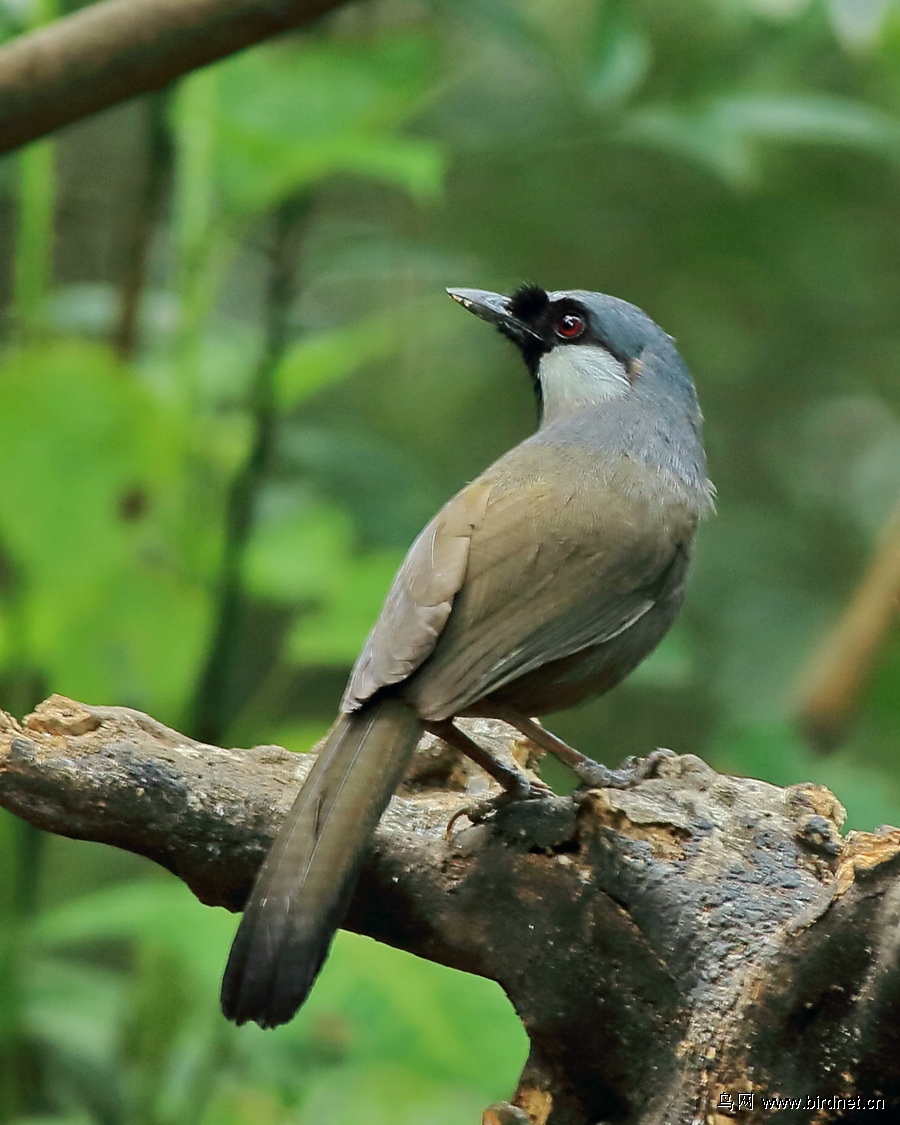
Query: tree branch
x=692, y=938
x=840, y=670
x=115, y=49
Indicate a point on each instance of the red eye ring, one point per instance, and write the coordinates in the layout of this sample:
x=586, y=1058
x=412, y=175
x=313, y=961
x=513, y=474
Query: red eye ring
x=569, y=326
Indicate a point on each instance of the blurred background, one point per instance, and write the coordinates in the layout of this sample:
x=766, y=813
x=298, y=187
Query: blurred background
x=232, y=390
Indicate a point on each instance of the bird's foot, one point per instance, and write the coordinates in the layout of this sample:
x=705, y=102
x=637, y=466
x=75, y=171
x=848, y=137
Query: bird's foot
x=523, y=789
x=594, y=775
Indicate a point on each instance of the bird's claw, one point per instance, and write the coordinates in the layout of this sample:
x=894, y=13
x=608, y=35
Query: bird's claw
x=594, y=775
x=525, y=789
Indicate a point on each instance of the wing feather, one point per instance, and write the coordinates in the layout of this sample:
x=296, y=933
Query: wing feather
x=419, y=602
x=517, y=571
x=604, y=557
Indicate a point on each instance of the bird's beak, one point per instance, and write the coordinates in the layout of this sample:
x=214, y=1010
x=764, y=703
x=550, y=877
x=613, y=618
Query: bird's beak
x=495, y=309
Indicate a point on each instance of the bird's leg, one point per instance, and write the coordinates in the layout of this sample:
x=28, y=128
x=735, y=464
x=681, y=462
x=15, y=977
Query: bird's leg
x=516, y=784
x=591, y=773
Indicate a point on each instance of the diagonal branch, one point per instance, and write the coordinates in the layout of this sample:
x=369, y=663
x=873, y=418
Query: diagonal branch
x=668, y=947
x=833, y=684
x=115, y=49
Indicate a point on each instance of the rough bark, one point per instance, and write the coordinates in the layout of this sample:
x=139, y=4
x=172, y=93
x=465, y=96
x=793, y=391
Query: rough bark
x=692, y=939
x=114, y=49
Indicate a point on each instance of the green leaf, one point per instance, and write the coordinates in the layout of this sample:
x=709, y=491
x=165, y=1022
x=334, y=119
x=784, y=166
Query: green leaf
x=446, y=1025
x=319, y=360
x=161, y=909
x=695, y=137
x=334, y=633
x=73, y=1005
x=260, y=171
x=859, y=26
x=511, y=24
x=148, y=639
x=618, y=59
x=292, y=116
x=88, y=517
x=725, y=134
x=809, y=119
x=299, y=551
x=392, y=1093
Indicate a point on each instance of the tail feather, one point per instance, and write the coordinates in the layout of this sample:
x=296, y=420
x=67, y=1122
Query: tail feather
x=304, y=887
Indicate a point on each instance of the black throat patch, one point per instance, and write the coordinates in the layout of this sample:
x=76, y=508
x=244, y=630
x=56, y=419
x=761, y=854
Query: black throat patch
x=529, y=304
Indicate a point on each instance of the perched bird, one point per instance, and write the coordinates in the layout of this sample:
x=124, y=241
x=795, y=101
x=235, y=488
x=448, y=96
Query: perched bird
x=544, y=581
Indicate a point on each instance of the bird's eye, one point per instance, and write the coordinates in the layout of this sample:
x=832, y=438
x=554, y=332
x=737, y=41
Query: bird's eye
x=569, y=326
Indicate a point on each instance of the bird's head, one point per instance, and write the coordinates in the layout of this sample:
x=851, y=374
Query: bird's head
x=584, y=348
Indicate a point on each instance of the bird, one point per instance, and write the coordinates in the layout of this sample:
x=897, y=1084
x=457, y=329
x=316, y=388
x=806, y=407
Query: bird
x=544, y=581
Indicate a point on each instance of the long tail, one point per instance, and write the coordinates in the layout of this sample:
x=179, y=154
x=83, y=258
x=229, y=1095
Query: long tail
x=304, y=886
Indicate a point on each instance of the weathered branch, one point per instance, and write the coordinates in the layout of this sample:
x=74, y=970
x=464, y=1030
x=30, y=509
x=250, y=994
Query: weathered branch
x=115, y=49
x=832, y=686
x=667, y=946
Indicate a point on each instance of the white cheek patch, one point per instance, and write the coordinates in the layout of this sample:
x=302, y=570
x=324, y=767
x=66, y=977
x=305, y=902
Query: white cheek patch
x=572, y=376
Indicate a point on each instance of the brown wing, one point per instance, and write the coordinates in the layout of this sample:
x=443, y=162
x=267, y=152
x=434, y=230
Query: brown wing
x=419, y=601
x=552, y=571
x=532, y=571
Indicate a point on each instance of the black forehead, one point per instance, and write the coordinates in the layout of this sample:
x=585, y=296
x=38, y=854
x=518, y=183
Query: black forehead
x=533, y=305
x=529, y=303
x=622, y=328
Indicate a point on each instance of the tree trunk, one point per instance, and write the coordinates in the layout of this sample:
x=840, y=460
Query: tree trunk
x=679, y=952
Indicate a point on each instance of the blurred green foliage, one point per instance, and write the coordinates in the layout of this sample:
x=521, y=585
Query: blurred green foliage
x=231, y=391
